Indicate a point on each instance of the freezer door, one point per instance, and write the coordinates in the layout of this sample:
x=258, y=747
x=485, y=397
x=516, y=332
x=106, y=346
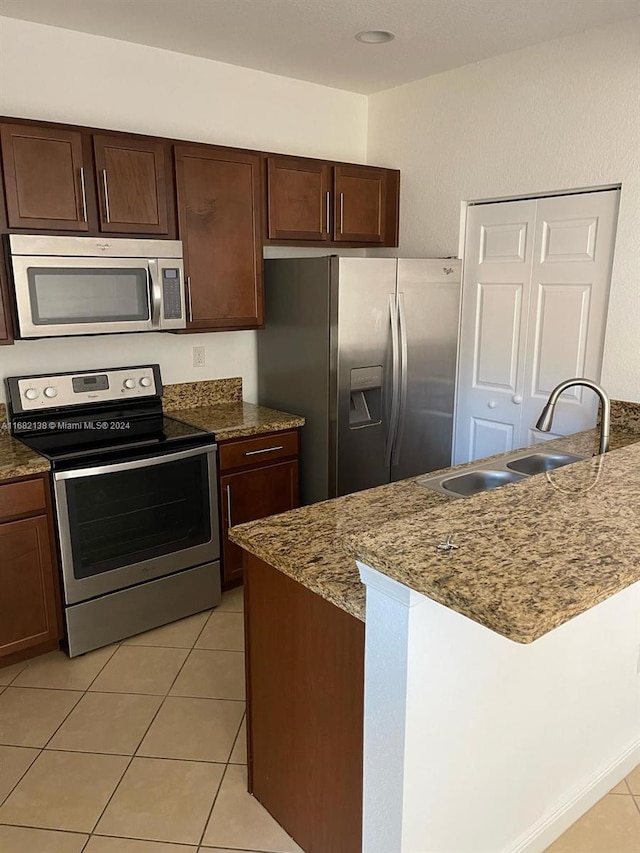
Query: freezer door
x=363, y=297
x=428, y=305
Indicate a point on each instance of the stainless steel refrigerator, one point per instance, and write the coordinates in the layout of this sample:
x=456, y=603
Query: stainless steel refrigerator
x=365, y=349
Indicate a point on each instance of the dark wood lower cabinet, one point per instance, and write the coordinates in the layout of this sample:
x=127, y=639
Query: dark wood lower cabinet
x=305, y=701
x=30, y=609
x=248, y=495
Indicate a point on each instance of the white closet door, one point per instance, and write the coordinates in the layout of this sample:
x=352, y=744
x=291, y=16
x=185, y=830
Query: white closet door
x=495, y=298
x=573, y=255
x=534, y=310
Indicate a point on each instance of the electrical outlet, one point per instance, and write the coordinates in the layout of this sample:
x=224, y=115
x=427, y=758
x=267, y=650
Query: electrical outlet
x=198, y=356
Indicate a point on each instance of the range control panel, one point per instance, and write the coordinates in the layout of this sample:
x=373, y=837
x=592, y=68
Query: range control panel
x=67, y=389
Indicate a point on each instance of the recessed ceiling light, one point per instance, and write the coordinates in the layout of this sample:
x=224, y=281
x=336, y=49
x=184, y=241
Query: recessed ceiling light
x=374, y=36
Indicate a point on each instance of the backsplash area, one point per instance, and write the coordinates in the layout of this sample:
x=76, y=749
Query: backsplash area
x=226, y=354
x=191, y=395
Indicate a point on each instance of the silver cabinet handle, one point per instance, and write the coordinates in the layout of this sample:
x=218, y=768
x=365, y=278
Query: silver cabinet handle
x=266, y=450
x=83, y=191
x=341, y=210
x=187, y=282
x=328, y=194
x=106, y=195
x=228, y=490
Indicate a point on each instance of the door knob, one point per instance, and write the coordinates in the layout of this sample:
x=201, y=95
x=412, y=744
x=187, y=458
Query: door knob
x=491, y=404
x=517, y=399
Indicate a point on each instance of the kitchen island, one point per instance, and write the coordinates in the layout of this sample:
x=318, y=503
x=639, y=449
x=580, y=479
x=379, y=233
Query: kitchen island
x=469, y=690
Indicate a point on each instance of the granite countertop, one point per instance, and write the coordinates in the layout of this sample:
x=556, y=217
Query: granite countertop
x=236, y=420
x=566, y=530
x=217, y=406
x=16, y=459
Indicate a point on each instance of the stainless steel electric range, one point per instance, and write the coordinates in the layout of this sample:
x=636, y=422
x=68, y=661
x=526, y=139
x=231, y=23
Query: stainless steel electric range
x=135, y=500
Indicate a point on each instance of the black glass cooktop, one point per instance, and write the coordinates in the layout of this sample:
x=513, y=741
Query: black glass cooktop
x=89, y=441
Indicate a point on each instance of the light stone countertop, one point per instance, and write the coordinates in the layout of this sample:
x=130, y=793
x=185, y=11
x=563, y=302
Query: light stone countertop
x=532, y=554
x=237, y=420
x=16, y=459
x=217, y=406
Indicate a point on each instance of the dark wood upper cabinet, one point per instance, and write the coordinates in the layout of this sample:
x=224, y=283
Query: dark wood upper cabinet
x=44, y=177
x=299, y=199
x=360, y=197
x=132, y=186
x=219, y=218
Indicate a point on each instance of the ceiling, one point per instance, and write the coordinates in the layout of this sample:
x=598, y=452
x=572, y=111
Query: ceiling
x=314, y=39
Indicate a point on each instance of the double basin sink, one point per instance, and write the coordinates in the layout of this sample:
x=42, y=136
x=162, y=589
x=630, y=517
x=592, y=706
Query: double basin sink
x=492, y=475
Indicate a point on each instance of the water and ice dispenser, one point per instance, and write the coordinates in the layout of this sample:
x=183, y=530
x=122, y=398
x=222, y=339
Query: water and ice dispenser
x=365, y=396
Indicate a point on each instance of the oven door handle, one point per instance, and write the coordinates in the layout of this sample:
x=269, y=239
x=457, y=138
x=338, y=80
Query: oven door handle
x=134, y=463
x=156, y=294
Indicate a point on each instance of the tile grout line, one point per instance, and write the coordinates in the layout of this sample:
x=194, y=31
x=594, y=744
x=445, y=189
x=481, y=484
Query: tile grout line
x=15, y=785
x=222, y=778
x=86, y=690
x=213, y=804
x=146, y=732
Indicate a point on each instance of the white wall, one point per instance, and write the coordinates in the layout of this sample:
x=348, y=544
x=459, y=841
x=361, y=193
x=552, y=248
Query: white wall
x=58, y=75
x=560, y=115
x=528, y=737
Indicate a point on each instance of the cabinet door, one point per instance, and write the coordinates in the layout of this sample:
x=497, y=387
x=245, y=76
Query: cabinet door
x=249, y=495
x=219, y=223
x=299, y=199
x=28, y=609
x=360, y=204
x=44, y=177
x=131, y=185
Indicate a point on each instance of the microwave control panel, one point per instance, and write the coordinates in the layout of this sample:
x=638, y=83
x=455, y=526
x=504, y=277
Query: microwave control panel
x=69, y=389
x=171, y=294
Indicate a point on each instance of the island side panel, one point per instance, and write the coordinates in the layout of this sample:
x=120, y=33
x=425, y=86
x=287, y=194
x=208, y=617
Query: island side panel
x=305, y=699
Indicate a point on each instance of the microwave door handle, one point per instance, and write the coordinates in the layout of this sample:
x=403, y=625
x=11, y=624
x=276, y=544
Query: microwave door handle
x=155, y=293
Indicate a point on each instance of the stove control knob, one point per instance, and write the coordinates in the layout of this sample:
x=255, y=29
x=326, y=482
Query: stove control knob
x=129, y=383
x=31, y=394
x=50, y=391
x=145, y=382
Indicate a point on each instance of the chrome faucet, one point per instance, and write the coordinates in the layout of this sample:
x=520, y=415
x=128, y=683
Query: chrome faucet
x=546, y=416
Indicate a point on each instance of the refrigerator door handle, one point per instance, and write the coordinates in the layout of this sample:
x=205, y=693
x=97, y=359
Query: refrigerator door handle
x=404, y=380
x=395, y=379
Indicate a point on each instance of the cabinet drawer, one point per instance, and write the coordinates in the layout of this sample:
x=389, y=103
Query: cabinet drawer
x=22, y=498
x=254, y=451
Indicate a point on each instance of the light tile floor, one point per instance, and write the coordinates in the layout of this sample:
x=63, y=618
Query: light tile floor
x=140, y=748
x=136, y=748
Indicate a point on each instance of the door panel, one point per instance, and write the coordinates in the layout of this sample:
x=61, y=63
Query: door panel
x=28, y=609
x=571, y=273
x=499, y=317
x=131, y=185
x=360, y=201
x=219, y=216
x=44, y=178
x=251, y=494
x=495, y=297
x=488, y=437
x=361, y=293
x=429, y=291
x=298, y=198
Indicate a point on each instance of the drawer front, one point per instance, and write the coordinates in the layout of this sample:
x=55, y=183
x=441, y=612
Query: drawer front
x=22, y=498
x=257, y=451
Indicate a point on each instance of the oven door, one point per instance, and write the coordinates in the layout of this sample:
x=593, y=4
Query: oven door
x=58, y=296
x=126, y=523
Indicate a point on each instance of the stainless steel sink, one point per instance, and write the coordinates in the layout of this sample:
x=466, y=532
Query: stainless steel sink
x=538, y=463
x=491, y=475
x=478, y=481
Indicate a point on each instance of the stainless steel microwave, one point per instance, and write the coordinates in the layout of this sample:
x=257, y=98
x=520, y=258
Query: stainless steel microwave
x=93, y=286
